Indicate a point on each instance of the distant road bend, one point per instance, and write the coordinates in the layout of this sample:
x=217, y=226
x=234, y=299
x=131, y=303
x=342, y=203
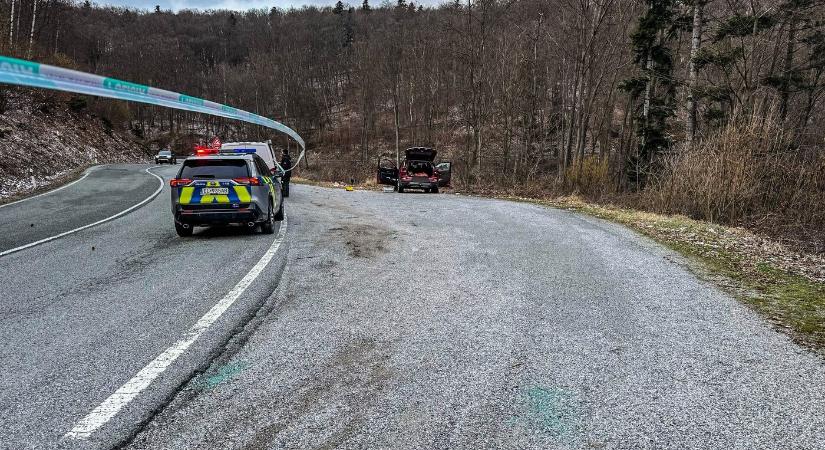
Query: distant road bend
x=376, y=320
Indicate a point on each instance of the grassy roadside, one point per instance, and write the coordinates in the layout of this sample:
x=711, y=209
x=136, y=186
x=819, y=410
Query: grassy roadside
x=785, y=287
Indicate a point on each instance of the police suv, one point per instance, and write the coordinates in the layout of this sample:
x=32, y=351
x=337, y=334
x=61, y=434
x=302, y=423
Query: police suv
x=231, y=186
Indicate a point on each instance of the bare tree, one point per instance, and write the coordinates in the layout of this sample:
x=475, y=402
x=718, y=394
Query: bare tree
x=11, y=24
x=31, y=34
x=693, y=76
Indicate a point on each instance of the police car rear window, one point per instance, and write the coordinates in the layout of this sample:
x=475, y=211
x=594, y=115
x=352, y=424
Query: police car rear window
x=214, y=169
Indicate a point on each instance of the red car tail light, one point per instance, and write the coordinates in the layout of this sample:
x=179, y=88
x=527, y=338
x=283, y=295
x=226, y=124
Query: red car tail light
x=249, y=181
x=177, y=182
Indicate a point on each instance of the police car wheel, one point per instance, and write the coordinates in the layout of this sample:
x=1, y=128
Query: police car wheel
x=268, y=226
x=279, y=215
x=184, y=231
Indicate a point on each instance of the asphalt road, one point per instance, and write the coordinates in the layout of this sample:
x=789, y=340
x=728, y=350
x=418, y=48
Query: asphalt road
x=84, y=313
x=104, y=192
x=396, y=321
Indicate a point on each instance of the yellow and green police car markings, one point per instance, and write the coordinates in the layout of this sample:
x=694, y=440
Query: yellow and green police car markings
x=191, y=195
x=243, y=194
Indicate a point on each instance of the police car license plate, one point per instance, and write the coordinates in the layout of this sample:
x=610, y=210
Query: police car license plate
x=214, y=191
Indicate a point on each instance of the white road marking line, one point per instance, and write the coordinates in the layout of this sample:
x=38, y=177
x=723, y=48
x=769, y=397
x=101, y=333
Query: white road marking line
x=46, y=193
x=66, y=233
x=126, y=393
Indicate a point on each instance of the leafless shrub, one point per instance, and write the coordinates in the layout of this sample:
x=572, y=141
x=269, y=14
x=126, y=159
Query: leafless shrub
x=749, y=173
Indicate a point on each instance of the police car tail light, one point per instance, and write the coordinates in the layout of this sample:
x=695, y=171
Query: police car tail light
x=247, y=181
x=176, y=182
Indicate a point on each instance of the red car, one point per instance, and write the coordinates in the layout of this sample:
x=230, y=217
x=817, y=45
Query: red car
x=417, y=171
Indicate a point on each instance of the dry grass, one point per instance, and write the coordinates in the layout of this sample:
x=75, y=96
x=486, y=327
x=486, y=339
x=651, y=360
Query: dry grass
x=589, y=177
x=748, y=174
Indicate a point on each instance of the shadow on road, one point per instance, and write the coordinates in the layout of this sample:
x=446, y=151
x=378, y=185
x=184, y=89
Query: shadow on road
x=224, y=231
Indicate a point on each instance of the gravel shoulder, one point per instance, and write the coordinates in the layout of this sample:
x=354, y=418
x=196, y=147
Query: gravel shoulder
x=784, y=285
x=423, y=321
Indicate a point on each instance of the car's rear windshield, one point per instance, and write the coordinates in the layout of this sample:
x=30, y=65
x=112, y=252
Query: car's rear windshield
x=194, y=169
x=420, y=167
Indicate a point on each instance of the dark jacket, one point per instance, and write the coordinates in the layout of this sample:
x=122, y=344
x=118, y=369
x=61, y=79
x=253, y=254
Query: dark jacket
x=286, y=163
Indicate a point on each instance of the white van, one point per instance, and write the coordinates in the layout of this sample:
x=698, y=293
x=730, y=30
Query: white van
x=262, y=149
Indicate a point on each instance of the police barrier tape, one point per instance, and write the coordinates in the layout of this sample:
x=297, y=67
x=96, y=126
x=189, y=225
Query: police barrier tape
x=28, y=73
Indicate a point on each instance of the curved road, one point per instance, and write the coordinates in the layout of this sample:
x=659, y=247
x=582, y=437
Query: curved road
x=396, y=321
x=84, y=313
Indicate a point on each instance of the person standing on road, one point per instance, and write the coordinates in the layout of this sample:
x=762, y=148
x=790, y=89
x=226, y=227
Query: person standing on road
x=286, y=163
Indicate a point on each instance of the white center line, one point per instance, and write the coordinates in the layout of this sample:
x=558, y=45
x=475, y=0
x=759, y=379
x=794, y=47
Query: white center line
x=65, y=233
x=126, y=393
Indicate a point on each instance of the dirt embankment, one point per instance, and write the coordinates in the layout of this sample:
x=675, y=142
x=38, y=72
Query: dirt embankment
x=46, y=138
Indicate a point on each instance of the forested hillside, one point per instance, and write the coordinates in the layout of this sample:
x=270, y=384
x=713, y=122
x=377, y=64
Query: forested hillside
x=711, y=108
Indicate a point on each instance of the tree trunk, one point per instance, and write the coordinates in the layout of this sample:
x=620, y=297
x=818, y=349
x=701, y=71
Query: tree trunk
x=648, y=94
x=696, y=43
x=397, y=140
x=31, y=35
x=788, y=69
x=11, y=25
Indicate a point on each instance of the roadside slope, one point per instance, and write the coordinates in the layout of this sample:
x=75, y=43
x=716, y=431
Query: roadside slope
x=43, y=142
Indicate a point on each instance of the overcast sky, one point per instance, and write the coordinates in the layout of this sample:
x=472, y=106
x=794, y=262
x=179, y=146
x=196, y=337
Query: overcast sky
x=177, y=5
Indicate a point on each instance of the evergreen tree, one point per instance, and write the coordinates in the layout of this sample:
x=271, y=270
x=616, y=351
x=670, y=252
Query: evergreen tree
x=656, y=28
x=339, y=8
x=365, y=7
x=792, y=79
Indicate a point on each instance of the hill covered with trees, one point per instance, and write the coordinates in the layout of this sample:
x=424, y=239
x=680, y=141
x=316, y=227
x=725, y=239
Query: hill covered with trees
x=711, y=108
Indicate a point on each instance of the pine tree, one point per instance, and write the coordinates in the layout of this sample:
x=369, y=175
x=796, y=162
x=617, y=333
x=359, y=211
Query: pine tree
x=339, y=8
x=656, y=28
x=365, y=7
